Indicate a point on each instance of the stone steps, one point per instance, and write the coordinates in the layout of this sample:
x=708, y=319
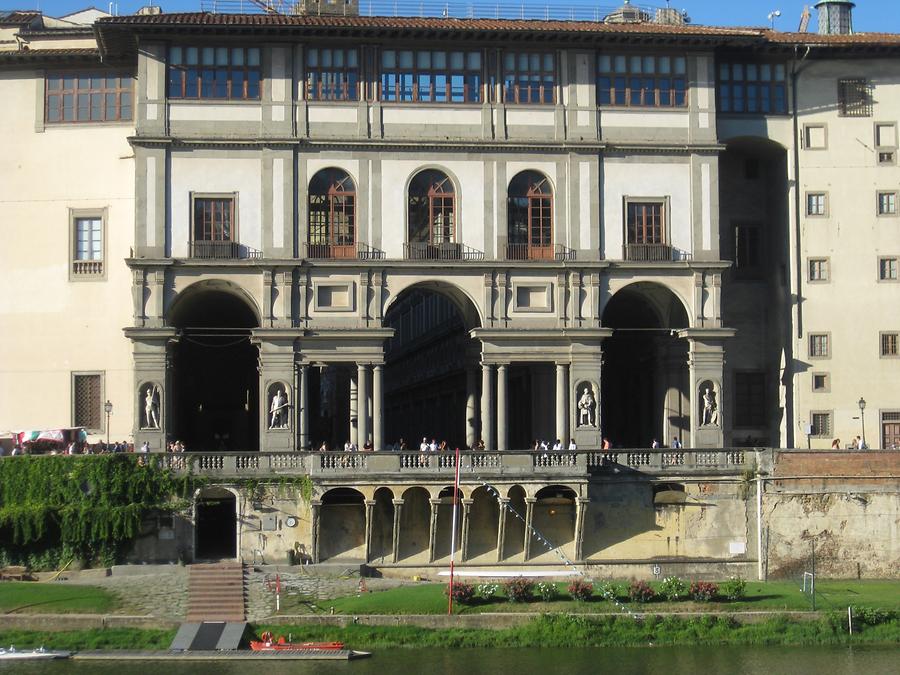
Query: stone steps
x=216, y=592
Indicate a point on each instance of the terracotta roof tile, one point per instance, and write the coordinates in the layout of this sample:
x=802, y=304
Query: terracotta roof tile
x=32, y=55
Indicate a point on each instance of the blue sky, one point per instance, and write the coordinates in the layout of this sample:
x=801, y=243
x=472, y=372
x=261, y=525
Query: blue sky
x=869, y=15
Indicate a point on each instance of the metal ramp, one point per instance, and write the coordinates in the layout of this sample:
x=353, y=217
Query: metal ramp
x=208, y=636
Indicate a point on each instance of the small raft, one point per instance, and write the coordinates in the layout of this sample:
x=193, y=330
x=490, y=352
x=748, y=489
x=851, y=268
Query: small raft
x=39, y=654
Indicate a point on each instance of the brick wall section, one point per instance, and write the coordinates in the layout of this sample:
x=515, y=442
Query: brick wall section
x=845, y=466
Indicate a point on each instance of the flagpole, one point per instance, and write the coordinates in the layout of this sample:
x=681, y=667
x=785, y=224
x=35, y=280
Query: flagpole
x=453, y=533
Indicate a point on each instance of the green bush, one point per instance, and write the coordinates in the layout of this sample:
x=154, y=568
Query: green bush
x=462, y=592
x=581, y=590
x=546, y=591
x=673, y=588
x=487, y=591
x=518, y=589
x=640, y=591
x=703, y=591
x=734, y=589
x=609, y=590
x=873, y=617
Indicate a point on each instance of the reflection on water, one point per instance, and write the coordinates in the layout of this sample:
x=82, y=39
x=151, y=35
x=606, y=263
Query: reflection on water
x=616, y=661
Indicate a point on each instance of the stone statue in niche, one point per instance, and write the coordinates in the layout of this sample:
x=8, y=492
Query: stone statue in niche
x=587, y=407
x=709, y=416
x=152, y=398
x=278, y=409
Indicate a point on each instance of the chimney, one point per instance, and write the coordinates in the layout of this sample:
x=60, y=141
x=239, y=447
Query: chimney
x=835, y=17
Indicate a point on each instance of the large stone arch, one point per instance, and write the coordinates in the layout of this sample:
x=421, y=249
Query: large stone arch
x=554, y=522
x=415, y=519
x=464, y=298
x=216, y=534
x=381, y=545
x=343, y=525
x=180, y=305
x=483, y=523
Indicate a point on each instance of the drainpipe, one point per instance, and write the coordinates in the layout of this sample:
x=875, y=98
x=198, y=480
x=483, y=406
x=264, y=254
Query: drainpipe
x=759, y=527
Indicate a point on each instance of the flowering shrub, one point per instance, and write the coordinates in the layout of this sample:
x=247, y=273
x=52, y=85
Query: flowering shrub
x=581, y=590
x=518, y=589
x=734, y=589
x=703, y=591
x=640, y=591
x=673, y=588
x=546, y=591
x=487, y=591
x=609, y=590
x=462, y=593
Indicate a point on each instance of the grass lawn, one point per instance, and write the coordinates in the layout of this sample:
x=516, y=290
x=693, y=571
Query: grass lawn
x=771, y=596
x=51, y=598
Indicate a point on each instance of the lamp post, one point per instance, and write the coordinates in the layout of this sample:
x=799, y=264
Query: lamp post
x=862, y=418
x=107, y=408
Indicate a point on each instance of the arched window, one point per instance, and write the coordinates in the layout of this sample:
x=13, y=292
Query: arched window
x=432, y=214
x=332, y=215
x=529, y=213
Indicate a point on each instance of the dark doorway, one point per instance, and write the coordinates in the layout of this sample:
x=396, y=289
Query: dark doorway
x=215, y=379
x=215, y=525
x=644, y=380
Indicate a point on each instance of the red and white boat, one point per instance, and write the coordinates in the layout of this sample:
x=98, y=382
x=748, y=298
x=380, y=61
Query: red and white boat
x=268, y=643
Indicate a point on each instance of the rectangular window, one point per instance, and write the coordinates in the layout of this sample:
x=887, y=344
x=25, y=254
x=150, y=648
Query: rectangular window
x=818, y=345
x=87, y=401
x=432, y=76
x=752, y=88
x=887, y=203
x=854, y=98
x=646, y=223
x=887, y=269
x=749, y=399
x=228, y=73
x=529, y=77
x=332, y=74
x=87, y=97
x=816, y=204
x=890, y=344
x=87, y=244
x=213, y=226
x=821, y=424
x=746, y=250
x=886, y=142
x=645, y=81
x=815, y=137
x=890, y=429
x=821, y=382
x=818, y=269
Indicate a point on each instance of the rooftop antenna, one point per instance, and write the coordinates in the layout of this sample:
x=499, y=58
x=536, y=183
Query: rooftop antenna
x=774, y=14
x=804, y=19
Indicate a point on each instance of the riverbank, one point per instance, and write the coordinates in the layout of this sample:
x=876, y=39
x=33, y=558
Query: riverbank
x=554, y=630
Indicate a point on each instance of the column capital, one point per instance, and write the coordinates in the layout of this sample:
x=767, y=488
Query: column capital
x=435, y=502
x=583, y=500
x=397, y=502
x=370, y=502
x=315, y=503
x=466, y=501
x=530, y=500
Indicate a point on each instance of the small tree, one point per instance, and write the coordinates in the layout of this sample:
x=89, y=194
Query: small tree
x=640, y=591
x=518, y=589
x=546, y=590
x=581, y=590
x=734, y=589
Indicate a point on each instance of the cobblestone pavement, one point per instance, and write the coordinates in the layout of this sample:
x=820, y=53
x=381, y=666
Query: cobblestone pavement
x=160, y=593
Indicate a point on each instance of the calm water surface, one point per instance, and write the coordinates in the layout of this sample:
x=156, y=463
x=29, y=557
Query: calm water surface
x=616, y=661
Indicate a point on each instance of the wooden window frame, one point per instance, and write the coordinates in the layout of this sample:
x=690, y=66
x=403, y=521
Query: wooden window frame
x=826, y=266
x=87, y=269
x=100, y=427
x=332, y=82
x=817, y=193
x=771, y=92
x=810, y=341
x=886, y=417
x=439, y=203
x=54, y=98
x=889, y=344
x=854, y=97
x=617, y=84
x=662, y=203
x=886, y=193
x=881, y=268
x=177, y=73
x=829, y=416
x=538, y=210
x=231, y=197
x=338, y=199
x=393, y=89
x=512, y=77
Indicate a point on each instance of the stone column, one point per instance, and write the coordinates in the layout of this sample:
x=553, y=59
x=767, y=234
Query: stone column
x=501, y=528
x=581, y=505
x=354, y=411
x=529, y=516
x=377, y=407
x=471, y=407
x=303, y=407
x=395, y=532
x=315, y=507
x=502, y=431
x=487, y=406
x=464, y=544
x=370, y=505
x=432, y=528
x=362, y=389
x=562, y=403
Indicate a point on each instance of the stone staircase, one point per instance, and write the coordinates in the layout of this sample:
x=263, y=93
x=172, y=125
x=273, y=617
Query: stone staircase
x=216, y=592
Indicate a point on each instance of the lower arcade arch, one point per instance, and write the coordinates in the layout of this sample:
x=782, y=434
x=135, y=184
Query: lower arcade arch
x=343, y=525
x=554, y=521
x=484, y=515
x=443, y=541
x=415, y=518
x=514, y=531
x=382, y=544
x=215, y=524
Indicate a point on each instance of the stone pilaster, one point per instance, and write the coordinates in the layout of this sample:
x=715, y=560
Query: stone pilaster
x=581, y=506
x=464, y=544
x=529, y=520
x=706, y=362
x=150, y=350
x=395, y=531
x=432, y=528
x=277, y=402
x=501, y=528
x=370, y=506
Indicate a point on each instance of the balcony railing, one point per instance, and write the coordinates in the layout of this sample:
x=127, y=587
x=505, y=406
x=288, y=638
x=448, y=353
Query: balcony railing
x=654, y=253
x=221, y=250
x=87, y=268
x=357, y=251
x=444, y=251
x=529, y=252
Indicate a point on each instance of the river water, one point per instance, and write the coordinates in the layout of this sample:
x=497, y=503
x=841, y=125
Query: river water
x=615, y=661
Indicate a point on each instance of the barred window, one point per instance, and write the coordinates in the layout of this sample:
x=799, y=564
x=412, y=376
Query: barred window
x=887, y=269
x=887, y=203
x=890, y=344
x=432, y=76
x=529, y=77
x=818, y=345
x=332, y=74
x=87, y=97
x=231, y=73
x=753, y=88
x=818, y=269
x=854, y=98
x=642, y=81
x=87, y=397
x=750, y=399
x=821, y=424
x=816, y=204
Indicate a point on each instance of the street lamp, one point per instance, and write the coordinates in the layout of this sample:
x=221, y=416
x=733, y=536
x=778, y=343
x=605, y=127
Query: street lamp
x=107, y=408
x=862, y=418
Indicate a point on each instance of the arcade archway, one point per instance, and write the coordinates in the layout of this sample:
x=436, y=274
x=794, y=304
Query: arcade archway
x=645, y=391
x=215, y=524
x=214, y=377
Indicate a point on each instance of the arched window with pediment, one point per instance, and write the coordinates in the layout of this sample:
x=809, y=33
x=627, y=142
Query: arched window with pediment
x=529, y=212
x=332, y=215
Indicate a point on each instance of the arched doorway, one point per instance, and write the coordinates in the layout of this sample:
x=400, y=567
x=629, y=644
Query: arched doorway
x=343, y=525
x=431, y=367
x=645, y=391
x=554, y=519
x=215, y=524
x=214, y=379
